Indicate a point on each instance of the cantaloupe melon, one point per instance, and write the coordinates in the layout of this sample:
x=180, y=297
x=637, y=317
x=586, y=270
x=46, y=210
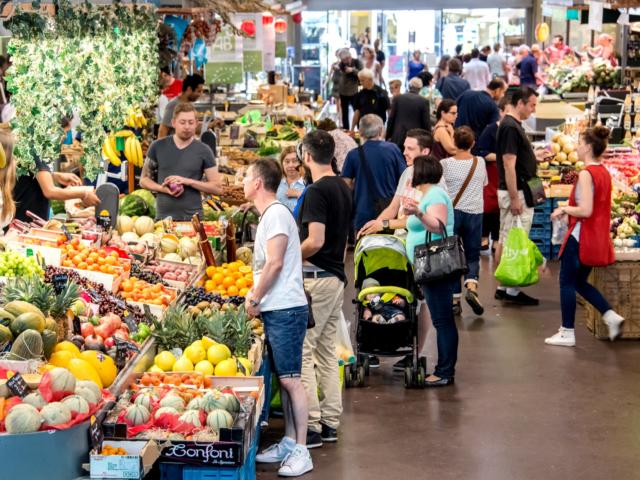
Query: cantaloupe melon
x=55, y=413
x=191, y=417
x=218, y=419
x=76, y=404
x=35, y=400
x=23, y=418
x=137, y=415
x=172, y=400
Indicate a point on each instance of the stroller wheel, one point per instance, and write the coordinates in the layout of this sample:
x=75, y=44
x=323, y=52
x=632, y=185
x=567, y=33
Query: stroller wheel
x=359, y=381
x=420, y=378
x=408, y=377
x=422, y=362
x=348, y=382
x=365, y=364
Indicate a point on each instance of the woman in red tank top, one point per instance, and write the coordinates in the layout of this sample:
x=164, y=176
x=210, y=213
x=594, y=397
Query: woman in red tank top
x=587, y=243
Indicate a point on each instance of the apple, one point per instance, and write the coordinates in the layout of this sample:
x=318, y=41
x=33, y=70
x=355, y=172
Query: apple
x=93, y=342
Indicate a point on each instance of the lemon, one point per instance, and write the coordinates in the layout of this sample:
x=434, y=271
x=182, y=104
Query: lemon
x=204, y=367
x=195, y=353
x=183, y=364
x=155, y=369
x=207, y=342
x=217, y=353
x=226, y=368
x=199, y=344
x=246, y=363
x=164, y=360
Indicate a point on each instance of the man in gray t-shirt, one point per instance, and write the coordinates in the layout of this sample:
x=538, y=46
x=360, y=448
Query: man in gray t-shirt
x=192, y=88
x=175, y=167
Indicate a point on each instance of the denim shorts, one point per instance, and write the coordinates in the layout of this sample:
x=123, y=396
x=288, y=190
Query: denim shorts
x=285, y=331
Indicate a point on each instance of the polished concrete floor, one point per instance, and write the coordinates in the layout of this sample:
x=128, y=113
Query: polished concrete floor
x=519, y=409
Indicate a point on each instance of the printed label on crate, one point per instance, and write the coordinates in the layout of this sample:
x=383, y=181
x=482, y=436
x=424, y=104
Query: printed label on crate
x=207, y=454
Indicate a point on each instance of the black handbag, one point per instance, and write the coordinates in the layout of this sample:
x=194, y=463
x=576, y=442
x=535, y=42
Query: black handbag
x=533, y=191
x=439, y=259
x=380, y=204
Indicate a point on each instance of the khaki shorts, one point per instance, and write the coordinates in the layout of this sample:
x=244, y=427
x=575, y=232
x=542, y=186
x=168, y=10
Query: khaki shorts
x=507, y=220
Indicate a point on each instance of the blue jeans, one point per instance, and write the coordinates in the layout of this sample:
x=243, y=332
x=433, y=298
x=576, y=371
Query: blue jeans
x=285, y=331
x=468, y=226
x=439, y=297
x=573, y=278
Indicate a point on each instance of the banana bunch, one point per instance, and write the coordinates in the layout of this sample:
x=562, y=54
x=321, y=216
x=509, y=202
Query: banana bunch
x=135, y=118
x=110, y=152
x=133, y=151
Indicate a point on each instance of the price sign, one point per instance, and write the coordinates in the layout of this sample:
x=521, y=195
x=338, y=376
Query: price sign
x=59, y=282
x=128, y=319
x=96, y=435
x=95, y=296
x=234, y=133
x=66, y=232
x=18, y=386
x=126, y=346
x=104, y=220
x=76, y=325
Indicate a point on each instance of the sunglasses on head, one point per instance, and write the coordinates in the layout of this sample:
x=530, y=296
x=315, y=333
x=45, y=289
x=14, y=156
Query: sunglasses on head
x=299, y=153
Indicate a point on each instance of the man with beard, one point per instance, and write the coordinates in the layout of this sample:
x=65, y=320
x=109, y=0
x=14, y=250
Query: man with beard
x=192, y=88
x=175, y=167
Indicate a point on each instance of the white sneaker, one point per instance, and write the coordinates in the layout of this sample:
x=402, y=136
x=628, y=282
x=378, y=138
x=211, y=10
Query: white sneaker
x=277, y=452
x=613, y=321
x=566, y=337
x=297, y=463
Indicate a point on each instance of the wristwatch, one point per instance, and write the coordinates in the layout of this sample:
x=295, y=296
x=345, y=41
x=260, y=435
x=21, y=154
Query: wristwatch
x=385, y=224
x=253, y=303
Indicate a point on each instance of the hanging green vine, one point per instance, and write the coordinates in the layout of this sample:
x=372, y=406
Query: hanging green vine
x=99, y=61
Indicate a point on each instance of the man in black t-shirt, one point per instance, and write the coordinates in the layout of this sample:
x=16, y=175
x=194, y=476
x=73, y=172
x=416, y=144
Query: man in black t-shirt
x=517, y=164
x=381, y=58
x=371, y=99
x=324, y=221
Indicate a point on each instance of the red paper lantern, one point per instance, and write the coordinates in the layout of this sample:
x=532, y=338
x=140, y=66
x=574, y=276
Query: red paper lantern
x=297, y=17
x=267, y=19
x=248, y=27
x=281, y=25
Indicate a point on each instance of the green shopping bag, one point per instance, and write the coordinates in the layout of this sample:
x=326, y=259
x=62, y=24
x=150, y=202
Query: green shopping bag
x=520, y=259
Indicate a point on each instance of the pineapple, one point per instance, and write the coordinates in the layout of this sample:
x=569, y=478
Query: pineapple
x=29, y=289
x=64, y=300
x=178, y=328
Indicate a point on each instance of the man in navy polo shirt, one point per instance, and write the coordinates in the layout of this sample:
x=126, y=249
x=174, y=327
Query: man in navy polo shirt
x=477, y=109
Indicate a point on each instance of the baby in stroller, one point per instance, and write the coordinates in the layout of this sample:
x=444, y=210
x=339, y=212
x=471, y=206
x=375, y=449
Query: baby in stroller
x=386, y=308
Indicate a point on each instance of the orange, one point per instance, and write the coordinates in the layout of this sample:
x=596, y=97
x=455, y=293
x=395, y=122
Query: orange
x=67, y=263
x=218, y=278
x=93, y=267
x=101, y=261
x=211, y=271
x=241, y=283
x=244, y=269
x=111, y=260
x=228, y=281
x=233, y=266
x=82, y=266
x=243, y=292
x=103, y=268
x=232, y=291
x=209, y=285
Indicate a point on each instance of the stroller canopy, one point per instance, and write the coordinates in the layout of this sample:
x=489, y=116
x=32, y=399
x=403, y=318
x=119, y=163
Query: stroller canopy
x=377, y=252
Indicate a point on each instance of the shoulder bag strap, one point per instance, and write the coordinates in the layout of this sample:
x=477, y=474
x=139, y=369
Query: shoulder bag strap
x=363, y=165
x=466, y=182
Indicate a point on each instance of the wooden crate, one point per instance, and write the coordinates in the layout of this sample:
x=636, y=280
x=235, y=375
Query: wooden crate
x=620, y=285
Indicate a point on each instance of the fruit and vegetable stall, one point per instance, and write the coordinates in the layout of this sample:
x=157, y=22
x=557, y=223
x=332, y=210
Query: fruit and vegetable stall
x=133, y=339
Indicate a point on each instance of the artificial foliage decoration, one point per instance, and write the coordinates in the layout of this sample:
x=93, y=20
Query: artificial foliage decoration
x=99, y=61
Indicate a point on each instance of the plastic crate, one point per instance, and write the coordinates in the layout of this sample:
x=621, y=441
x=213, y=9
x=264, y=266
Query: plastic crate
x=540, y=233
x=547, y=206
x=540, y=218
x=180, y=471
x=556, y=201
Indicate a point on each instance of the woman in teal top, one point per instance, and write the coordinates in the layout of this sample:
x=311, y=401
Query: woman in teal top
x=435, y=207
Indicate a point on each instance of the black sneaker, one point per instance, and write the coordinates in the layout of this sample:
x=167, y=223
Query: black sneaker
x=374, y=362
x=401, y=364
x=522, y=299
x=329, y=435
x=314, y=439
x=500, y=294
x=474, y=302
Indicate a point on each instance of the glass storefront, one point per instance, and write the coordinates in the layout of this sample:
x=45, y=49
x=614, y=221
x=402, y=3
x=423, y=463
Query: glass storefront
x=433, y=32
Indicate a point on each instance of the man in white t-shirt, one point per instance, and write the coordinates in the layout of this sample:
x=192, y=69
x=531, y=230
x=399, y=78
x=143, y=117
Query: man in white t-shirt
x=476, y=72
x=278, y=296
x=418, y=142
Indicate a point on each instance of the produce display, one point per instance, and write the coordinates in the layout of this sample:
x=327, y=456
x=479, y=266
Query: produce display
x=567, y=76
x=95, y=259
x=13, y=264
x=137, y=290
x=229, y=279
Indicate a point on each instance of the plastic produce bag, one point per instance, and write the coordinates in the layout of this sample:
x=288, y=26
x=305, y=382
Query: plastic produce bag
x=344, y=350
x=560, y=227
x=520, y=259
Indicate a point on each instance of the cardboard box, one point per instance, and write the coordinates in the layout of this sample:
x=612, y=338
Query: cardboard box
x=142, y=456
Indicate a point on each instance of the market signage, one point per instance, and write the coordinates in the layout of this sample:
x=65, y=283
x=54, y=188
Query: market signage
x=253, y=47
x=224, y=454
x=224, y=58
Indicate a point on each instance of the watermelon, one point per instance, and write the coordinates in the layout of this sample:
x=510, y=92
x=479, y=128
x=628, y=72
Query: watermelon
x=133, y=206
x=149, y=199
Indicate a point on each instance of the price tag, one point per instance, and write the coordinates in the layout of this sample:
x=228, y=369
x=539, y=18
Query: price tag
x=128, y=319
x=76, y=325
x=18, y=386
x=66, y=233
x=104, y=220
x=95, y=296
x=234, y=133
x=96, y=435
x=59, y=282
